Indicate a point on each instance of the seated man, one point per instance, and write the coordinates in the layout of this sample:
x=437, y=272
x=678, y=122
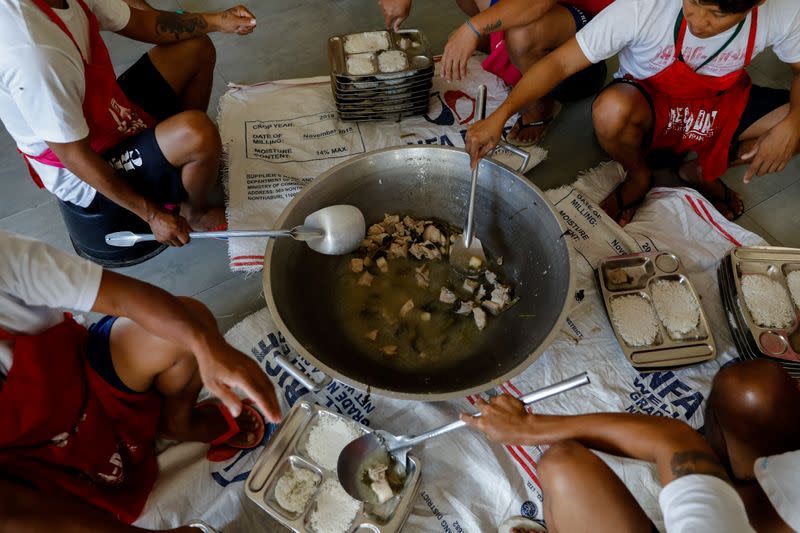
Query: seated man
x=80, y=409
x=747, y=420
x=142, y=142
x=522, y=32
x=681, y=87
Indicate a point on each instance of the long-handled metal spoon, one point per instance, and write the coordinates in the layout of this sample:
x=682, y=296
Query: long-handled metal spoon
x=381, y=447
x=466, y=254
x=334, y=230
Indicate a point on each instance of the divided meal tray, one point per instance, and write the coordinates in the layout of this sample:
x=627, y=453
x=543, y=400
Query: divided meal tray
x=416, y=49
x=668, y=350
x=286, y=449
x=775, y=263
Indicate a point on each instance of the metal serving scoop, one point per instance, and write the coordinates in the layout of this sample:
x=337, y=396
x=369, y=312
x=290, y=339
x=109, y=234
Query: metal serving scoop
x=334, y=230
x=466, y=254
x=381, y=447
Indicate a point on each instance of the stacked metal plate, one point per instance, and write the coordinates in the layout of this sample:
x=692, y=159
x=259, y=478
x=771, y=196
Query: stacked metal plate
x=753, y=340
x=380, y=75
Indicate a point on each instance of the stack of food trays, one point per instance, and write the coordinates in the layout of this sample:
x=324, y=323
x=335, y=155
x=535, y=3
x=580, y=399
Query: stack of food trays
x=760, y=288
x=289, y=451
x=655, y=311
x=380, y=75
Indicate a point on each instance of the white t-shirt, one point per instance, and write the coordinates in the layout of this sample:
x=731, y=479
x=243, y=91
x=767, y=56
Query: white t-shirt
x=779, y=476
x=36, y=283
x=699, y=504
x=643, y=33
x=42, y=81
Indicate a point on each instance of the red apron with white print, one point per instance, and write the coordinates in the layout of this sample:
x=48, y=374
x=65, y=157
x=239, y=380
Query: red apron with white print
x=695, y=112
x=110, y=115
x=64, y=429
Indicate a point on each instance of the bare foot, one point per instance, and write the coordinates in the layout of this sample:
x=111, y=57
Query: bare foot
x=723, y=198
x=205, y=221
x=623, y=202
x=534, y=121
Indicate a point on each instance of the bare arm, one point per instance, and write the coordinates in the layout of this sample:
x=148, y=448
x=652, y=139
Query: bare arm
x=395, y=12
x=222, y=367
x=79, y=158
x=537, y=82
x=163, y=27
x=675, y=448
x=510, y=14
x=780, y=143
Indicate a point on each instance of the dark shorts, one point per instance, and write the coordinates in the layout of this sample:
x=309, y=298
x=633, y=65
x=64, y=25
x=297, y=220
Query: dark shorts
x=761, y=102
x=98, y=353
x=139, y=159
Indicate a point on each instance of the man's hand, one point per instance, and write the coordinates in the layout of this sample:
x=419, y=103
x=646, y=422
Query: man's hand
x=482, y=138
x=395, y=12
x=224, y=369
x=773, y=150
x=169, y=228
x=237, y=20
x=503, y=419
x=459, y=48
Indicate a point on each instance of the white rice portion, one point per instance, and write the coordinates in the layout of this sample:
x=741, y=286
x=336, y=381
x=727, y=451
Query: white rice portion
x=295, y=488
x=635, y=320
x=335, y=509
x=360, y=64
x=392, y=61
x=767, y=301
x=371, y=41
x=793, y=279
x=326, y=439
x=676, y=306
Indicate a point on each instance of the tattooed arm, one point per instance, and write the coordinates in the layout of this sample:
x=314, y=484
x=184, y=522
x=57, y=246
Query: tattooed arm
x=677, y=449
x=163, y=27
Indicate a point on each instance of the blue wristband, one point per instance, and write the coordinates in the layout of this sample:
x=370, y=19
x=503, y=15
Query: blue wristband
x=470, y=26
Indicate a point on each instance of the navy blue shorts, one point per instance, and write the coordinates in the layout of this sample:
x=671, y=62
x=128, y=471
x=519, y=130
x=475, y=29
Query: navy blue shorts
x=98, y=352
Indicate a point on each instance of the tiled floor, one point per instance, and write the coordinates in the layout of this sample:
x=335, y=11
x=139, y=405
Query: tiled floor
x=290, y=43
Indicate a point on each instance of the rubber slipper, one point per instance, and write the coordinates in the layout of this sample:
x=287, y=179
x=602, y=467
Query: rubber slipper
x=521, y=125
x=727, y=198
x=520, y=522
x=622, y=206
x=233, y=439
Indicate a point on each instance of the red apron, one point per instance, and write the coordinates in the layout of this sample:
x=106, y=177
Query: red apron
x=499, y=63
x=111, y=116
x=695, y=112
x=64, y=429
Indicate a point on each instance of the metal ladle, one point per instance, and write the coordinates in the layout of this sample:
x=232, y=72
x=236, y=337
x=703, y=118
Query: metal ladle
x=466, y=254
x=334, y=230
x=381, y=447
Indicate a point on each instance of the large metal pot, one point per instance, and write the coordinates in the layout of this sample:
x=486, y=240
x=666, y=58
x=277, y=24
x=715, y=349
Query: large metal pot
x=514, y=221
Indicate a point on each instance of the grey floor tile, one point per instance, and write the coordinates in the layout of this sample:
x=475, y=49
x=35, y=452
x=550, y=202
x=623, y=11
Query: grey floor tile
x=780, y=216
x=767, y=69
x=749, y=223
x=19, y=191
x=187, y=270
x=234, y=299
x=763, y=187
x=42, y=222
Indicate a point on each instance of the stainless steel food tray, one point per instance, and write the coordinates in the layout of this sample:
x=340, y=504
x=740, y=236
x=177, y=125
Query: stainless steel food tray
x=667, y=351
x=286, y=449
x=417, y=52
x=776, y=263
x=392, y=117
x=383, y=85
x=378, y=107
x=349, y=92
x=383, y=98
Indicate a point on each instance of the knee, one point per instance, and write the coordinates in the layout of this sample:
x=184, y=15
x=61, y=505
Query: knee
x=524, y=44
x=202, y=50
x=200, y=135
x=750, y=389
x=613, y=111
x=557, y=465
